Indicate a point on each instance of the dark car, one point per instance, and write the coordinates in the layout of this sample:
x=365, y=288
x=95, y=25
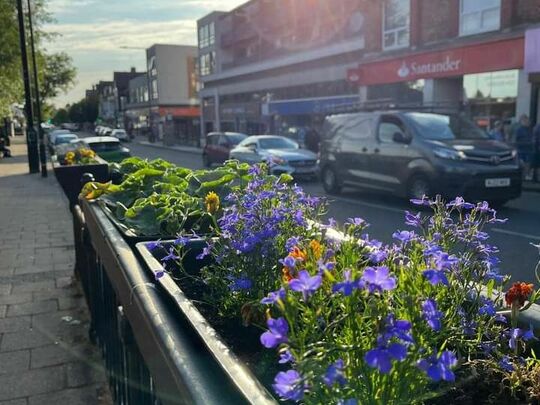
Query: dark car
x=414, y=154
x=218, y=145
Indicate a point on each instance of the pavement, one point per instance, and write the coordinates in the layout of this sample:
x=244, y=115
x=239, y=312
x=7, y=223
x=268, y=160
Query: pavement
x=45, y=354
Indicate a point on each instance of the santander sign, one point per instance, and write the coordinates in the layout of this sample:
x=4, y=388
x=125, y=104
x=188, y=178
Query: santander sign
x=416, y=69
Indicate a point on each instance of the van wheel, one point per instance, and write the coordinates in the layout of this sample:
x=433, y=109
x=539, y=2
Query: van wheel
x=330, y=181
x=205, y=160
x=418, y=187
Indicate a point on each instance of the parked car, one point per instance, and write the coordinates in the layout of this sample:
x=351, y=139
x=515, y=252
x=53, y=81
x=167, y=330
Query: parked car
x=107, y=147
x=71, y=126
x=97, y=129
x=282, y=154
x=52, y=135
x=121, y=134
x=219, y=145
x=414, y=154
x=61, y=139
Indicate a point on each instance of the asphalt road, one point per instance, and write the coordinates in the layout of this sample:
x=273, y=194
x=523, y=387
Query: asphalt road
x=385, y=214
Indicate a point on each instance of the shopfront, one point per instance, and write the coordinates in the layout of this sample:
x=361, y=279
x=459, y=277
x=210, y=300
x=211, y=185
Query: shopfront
x=242, y=117
x=532, y=69
x=482, y=79
x=179, y=125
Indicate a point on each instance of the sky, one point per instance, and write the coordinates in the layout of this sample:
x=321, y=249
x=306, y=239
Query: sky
x=93, y=33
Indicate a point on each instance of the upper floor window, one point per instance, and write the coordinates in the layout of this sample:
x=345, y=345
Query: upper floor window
x=479, y=16
x=396, y=23
x=207, y=35
x=207, y=63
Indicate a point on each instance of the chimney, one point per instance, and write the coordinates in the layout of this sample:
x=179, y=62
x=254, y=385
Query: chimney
x=133, y=70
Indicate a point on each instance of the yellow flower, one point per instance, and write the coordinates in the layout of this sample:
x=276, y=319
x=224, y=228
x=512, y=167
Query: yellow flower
x=316, y=248
x=212, y=202
x=88, y=153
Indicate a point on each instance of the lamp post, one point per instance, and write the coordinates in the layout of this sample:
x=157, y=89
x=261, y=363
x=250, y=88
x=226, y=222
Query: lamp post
x=31, y=141
x=42, y=153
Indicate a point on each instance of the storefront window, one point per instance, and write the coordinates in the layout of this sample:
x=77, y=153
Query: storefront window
x=479, y=16
x=154, y=90
x=396, y=24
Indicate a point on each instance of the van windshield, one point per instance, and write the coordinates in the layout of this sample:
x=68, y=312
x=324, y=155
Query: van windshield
x=445, y=127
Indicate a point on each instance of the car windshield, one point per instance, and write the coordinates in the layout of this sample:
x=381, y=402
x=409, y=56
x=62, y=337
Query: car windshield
x=235, y=139
x=65, y=139
x=277, y=143
x=104, y=146
x=445, y=127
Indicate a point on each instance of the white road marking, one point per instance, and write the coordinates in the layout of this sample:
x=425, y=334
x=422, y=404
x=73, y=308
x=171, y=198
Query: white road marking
x=522, y=235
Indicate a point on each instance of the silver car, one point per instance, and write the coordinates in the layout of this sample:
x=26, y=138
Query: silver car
x=282, y=155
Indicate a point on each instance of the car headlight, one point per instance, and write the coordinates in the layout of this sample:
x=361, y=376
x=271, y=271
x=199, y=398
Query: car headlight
x=449, y=154
x=514, y=153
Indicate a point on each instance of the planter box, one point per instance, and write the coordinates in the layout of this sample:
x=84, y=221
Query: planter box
x=187, y=361
x=70, y=177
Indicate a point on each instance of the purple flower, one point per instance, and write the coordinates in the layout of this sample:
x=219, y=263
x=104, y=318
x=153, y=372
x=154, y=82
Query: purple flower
x=435, y=277
x=444, y=261
x=349, y=401
x=487, y=308
x=159, y=273
x=459, y=202
x=276, y=333
x=242, y=283
x=483, y=207
x=381, y=357
x=181, y=240
x=413, y=220
x=356, y=222
x=431, y=314
x=286, y=357
x=377, y=256
x=205, y=252
x=517, y=333
x=404, y=236
x=528, y=334
x=439, y=368
x=325, y=266
x=154, y=245
x=288, y=385
x=273, y=297
x=171, y=256
x=332, y=223
x=305, y=283
x=422, y=202
x=494, y=275
x=506, y=364
x=289, y=262
x=400, y=329
x=334, y=374
x=346, y=287
x=378, y=279
x=292, y=242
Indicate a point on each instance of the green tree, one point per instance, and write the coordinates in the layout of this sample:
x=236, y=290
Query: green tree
x=55, y=70
x=61, y=116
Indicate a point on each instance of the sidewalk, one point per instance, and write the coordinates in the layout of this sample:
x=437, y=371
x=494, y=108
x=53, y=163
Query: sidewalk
x=531, y=186
x=45, y=354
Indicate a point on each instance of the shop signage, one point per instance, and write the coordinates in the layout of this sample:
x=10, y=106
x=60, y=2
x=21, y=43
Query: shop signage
x=486, y=57
x=309, y=105
x=179, y=111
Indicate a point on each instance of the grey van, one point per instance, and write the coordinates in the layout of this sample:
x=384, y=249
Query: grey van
x=412, y=154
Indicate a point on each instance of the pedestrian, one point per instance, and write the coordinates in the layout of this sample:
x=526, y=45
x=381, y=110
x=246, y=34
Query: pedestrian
x=524, y=144
x=312, y=140
x=536, y=159
x=497, y=132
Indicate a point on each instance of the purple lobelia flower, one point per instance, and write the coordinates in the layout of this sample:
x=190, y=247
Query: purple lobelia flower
x=276, y=333
x=378, y=279
x=506, y=364
x=154, y=245
x=181, y=240
x=404, y=236
x=396, y=328
x=381, y=357
x=435, y=277
x=347, y=286
x=291, y=243
x=239, y=284
x=273, y=297
x=413, y=219
x=348, y=401
x=517, y=333
x=487, y=308
x=431, y=314
x=439, y=368
x=289, y=262
x=305, y=283
x=286, y=357
x=459, y=202
x=171, y=255
x=205, y=252
x=288, y=385
x=424, y=201
x=334, y=374
x=159, y=273
x=356, y=222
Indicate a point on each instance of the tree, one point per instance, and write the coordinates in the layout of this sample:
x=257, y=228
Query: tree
x=55, y=70
x=61, y=116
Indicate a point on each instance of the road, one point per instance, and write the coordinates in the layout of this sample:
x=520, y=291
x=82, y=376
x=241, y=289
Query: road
x=385, y=214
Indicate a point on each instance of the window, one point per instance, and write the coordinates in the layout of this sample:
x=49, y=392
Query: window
x=207, y=63
x=479, y=16
x=155, y=94
x=356, y=128
x=387, y=130
x=211, y=33
x=207, y=35
x=396, y=23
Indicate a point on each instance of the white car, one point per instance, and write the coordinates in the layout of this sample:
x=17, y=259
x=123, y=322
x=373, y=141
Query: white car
x=121, y=134
x=282, y=155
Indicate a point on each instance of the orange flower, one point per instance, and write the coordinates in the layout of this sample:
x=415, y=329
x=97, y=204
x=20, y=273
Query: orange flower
x=286, y=274
x=316, y=248
x=518, y=293
x=298, y=254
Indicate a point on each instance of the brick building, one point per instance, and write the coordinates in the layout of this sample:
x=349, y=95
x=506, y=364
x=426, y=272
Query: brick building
x=271, y=64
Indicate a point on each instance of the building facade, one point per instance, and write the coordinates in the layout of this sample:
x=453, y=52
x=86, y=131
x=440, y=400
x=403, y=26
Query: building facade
x=172, y=83
x=107, y=102
x=270, y=65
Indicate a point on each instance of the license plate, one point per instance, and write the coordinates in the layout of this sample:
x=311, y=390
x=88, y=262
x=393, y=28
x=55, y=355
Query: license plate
x=503, y=182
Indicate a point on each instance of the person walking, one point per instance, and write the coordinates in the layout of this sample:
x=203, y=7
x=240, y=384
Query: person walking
x=497, y=133
x=524, y=144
